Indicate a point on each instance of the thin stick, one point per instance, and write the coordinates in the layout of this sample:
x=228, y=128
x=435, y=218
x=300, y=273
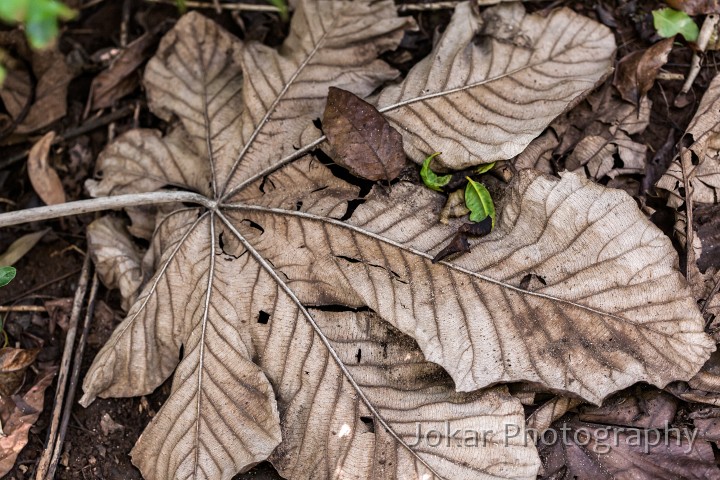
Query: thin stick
x=223, y=6
x=23, y=308
x=43, y=285
x=78, y=301
x=706, y=31
x=77, y=362
x=98, y=204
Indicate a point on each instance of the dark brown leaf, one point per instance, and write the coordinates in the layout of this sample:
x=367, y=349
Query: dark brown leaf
x=122, y=77
x=646, y=409
x=24, y=414
x=591, y=451
x=636, y=72
x=361, y=138
x=13, y=363
x=459, y=243
x=44, y=178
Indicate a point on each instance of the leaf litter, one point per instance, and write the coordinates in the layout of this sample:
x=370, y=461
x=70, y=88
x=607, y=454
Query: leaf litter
x=277, y=235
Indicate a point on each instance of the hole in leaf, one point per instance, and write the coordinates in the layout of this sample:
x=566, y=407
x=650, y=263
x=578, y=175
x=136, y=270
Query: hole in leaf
x=254, y=225
x=359, y=355
x=369, y=423
x=298, y=205
x=263, y=317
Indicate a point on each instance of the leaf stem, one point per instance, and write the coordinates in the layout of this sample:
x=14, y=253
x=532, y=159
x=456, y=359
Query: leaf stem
x=103, y=203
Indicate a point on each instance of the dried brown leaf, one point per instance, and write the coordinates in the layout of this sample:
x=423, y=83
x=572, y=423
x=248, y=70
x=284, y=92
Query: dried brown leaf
x=43, y=177
x=21, y=246
x=636, y=72
x=360, y=138
x=486, y=101
x=13, y=363
x=16, y=428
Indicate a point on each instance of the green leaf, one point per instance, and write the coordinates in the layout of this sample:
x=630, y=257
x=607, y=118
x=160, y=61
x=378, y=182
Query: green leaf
x=181, y=6
x=3, y=73
x=484, y=168
x=429, y=178
x=6, y=275
x=40, y=18
x=479, y=201
x=669, y=22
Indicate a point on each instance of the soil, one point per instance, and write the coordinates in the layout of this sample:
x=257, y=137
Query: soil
x=99, y=437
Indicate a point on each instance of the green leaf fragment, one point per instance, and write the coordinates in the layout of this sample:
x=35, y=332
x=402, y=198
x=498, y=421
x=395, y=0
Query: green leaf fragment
x=6, y=275
x=429, y=178
x=479, y=202
x=282, y=7
x=484, y=168
x=669, y=22
x=40, y=18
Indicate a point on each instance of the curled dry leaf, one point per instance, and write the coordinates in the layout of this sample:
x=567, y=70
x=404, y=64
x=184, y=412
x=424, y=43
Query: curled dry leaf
x=650, y=408
x=43, y=177
x=122, y=77
x=703, y=154
x=543, y=418
x=251, y=282
x=360, y=138
x=52, y=76
x=478, y=103
x=117, y=260
x=636, y=72
x=22, y=412
x=13, y=363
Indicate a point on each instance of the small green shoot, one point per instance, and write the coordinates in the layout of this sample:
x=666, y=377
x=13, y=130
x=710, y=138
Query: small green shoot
x=39, y=17
x=669, y=22
x=429, y=178
x=479, y=202
x=282, y=7
x=181, y=6
x=6, y=275
x=484, y=168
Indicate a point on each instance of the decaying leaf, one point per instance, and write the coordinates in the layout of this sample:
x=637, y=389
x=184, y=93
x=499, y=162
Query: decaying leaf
x=704, y=173
x=117, y=260
x=596, y=451
x=20, y=247
x=43, y=177
x=636, y=72
x=22, y=412
x=482, y=103
x=13, y=363
x=651, y=408
x=49, y=99
x=360, y=138
x=454, y=207
x=260, y=287
x=121, y=78
x=542, y=418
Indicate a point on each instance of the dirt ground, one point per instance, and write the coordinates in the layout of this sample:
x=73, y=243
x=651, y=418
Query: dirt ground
x=100, y=437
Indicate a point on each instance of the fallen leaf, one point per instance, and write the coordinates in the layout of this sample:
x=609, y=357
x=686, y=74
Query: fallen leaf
x=645, y=409
x=460, y=243
x=43, y=177
x=49, y=98
x=454, y=207
x=122, y=78
x=636, y=72
x=704, y=174
x=117, y=260
x=482, y=102
x=595, y=451
x=360, y=138
x=248, y=288
x=23, y=416
x=13, y=363
x=108, y=426
x=20, y=247
x=695, y=7
x=542, y=419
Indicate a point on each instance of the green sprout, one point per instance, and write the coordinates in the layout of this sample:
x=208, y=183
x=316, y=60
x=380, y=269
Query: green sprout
x=479, y=202
x=429, y=178
x=6, y=276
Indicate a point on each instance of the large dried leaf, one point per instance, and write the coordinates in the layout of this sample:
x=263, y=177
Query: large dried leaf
x=481, y=103
x=704, y=172
x=245, y=288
